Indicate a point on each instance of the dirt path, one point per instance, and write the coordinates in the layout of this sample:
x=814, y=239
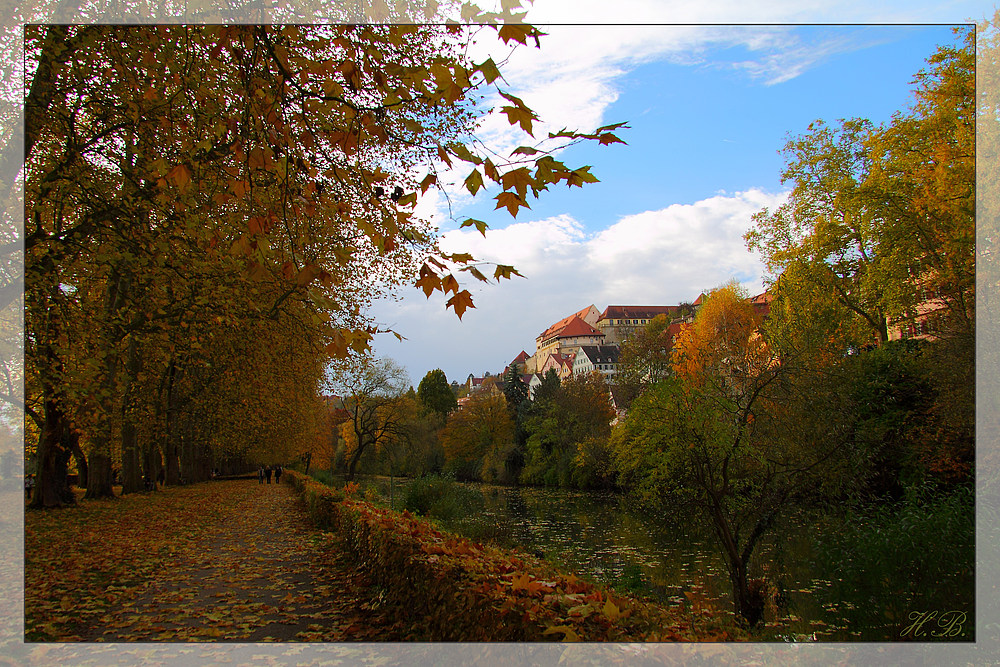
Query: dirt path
x=248, y=567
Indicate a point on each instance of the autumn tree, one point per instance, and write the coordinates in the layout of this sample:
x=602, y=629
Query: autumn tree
x=374, y=397
x=253, y=171
x=882, y=219
x=435, y=393
x=568, y=431
x=731, y=436
x=645, y=357
x=478, y=439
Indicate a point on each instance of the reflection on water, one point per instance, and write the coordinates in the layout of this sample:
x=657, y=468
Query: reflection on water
x=670, y=558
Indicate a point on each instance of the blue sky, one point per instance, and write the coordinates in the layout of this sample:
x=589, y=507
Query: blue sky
x=709, y=109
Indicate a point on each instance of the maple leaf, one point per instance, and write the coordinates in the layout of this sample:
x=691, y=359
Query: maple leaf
x=429, y=180
x=489, y=70
x=480, y=225
x=474, y=181
x=180, y=176
x=519, y=180
x=520, y=115
x=450, y=284
x=607, y=138
x=511, y=201
x=611, y=611
x=461, y=301
x=505, y=271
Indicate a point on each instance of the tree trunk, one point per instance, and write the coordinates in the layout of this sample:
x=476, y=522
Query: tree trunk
x=171, y=460
x=353, y=463
x=99, y=473
x=81, y=459
x=51, y=488
x=749, y=603
x=132, y=473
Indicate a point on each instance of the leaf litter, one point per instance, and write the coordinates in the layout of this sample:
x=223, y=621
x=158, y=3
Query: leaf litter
x=218, y=561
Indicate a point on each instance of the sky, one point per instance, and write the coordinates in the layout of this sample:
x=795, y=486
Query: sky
x=708, y=107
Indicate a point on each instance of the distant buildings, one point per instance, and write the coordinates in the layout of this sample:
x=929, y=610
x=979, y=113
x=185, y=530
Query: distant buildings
x=590, y=341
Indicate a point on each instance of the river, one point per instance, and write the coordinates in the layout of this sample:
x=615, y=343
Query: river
x=670, y=558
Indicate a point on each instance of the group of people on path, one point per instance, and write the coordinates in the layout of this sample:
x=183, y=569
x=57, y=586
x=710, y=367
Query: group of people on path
x=264, y=472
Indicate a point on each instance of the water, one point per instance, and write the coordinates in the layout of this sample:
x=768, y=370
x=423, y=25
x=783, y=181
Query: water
x=670, y=558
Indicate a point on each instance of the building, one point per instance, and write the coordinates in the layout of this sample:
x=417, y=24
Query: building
x=924, y=322
x=561, y=363
x=600, y=358
x=565, y=336
x=618, y=323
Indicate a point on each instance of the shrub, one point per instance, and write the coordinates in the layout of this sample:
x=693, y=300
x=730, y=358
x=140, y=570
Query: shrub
x=898, y=559
x=439, y=496
x=445, y=588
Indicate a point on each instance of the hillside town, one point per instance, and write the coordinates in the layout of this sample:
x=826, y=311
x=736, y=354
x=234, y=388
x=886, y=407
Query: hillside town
x=586, y=341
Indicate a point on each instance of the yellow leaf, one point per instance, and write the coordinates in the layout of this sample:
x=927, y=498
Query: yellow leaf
x=611, y=611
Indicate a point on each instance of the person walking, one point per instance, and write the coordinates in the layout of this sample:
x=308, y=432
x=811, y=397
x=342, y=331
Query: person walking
x=260, y=475
x=267, y=474
x=277, y=474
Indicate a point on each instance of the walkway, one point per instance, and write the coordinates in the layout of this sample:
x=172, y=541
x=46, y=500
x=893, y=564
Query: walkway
x=230, y=561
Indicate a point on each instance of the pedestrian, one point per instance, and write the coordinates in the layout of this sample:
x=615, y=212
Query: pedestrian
x=29, y=484
x=260, y=475
x=267, y=473
x=277, y=474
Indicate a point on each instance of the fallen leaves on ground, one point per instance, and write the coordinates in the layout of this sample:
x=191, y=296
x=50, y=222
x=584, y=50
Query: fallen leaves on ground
x=219, y=561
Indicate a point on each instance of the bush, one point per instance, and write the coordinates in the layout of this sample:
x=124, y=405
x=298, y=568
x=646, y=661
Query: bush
x=898, y=559
x=323, y=477
x=440, y=497
x=445, y=588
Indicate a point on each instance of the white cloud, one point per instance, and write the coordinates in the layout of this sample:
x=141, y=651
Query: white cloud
x=576, y=76
x=660, y=257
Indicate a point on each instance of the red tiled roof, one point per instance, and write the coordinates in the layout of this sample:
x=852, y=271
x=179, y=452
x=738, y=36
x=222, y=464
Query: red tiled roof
x=577, y=327
x=554, y=329
x=520, y=359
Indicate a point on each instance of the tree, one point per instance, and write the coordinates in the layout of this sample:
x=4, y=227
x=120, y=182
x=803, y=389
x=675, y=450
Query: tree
x=831, y=232
x=478, y=438
x=732, y=436
x=261, y=174
x=515, y=391
x=645, y=358
x=435, y=393
x=924, y=171
x=882, y=219
x=374, y=397
x=568, y=433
